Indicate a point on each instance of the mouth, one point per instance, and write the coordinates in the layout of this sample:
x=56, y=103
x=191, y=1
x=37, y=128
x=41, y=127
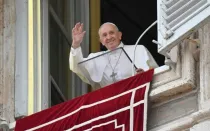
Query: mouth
x=111, y=42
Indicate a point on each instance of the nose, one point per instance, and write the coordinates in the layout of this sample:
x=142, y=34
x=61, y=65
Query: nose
x=108, y=36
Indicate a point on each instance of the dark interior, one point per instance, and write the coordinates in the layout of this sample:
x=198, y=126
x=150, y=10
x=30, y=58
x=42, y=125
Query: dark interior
x=132, y=17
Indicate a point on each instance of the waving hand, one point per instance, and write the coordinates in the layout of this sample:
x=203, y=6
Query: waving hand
x=77, y=35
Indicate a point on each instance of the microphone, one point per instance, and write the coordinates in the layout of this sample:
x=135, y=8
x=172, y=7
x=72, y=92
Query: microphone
x=133, y=72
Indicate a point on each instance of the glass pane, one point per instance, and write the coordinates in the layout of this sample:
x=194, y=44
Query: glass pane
x=59, y=58
x=55, y=96
x=59, y=8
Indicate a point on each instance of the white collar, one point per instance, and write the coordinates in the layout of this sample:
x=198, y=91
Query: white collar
x=120, y=45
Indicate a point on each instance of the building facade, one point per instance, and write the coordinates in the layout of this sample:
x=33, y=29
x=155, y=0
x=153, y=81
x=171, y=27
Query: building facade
x=34, y=70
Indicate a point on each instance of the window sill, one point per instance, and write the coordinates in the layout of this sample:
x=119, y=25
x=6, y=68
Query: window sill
x=171, y=82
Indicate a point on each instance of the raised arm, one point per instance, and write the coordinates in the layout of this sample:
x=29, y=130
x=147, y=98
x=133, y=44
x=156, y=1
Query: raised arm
x=76, y=55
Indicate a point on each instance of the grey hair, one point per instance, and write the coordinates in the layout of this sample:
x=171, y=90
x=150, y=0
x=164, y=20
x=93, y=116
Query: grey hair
x=107, y=23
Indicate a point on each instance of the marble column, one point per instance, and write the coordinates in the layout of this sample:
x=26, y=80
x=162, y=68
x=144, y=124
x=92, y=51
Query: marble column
x=7, y=59
x=204, y=36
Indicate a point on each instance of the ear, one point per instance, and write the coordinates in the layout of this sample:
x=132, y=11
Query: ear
x=120, y=35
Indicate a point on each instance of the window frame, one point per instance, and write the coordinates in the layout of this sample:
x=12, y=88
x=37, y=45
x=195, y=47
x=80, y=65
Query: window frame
x=170, y=37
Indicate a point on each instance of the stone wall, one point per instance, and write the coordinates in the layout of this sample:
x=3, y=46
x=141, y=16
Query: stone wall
x=180, y=97
x=7, y=59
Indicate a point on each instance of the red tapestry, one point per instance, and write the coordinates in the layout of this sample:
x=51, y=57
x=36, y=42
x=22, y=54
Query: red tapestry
x=118, y=107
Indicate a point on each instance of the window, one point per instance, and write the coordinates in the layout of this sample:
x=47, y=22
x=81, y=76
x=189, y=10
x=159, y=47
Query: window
x=59, y=50
x=132, y=18
x=177, y=19
x=63, y=14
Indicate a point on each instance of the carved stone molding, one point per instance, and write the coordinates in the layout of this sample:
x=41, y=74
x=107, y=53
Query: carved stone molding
x=185, y=122
x=179, y=79
x=204, y=36
x=174, y=93
x=182, y=94
x=4, y=126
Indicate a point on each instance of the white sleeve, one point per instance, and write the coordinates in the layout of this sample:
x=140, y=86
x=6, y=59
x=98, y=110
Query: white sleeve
x=75, y=57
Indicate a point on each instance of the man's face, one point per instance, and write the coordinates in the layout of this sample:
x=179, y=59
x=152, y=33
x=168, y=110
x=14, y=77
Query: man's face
x=110, y=37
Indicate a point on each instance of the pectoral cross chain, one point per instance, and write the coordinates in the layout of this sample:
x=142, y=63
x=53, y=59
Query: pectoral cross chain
x=113, y=76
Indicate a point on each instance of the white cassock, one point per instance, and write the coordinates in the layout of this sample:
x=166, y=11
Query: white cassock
x=109, y=67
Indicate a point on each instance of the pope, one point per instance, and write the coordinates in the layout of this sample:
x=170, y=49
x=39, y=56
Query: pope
x=110, y=67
